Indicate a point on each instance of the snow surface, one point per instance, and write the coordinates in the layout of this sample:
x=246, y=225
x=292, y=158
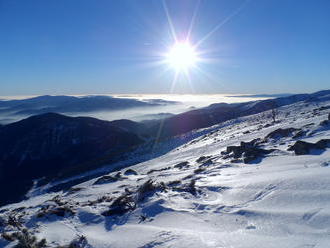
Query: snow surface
x=281, y=200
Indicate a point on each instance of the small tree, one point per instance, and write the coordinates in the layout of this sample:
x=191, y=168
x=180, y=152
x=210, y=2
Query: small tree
x=274, y=114
x=274, y=111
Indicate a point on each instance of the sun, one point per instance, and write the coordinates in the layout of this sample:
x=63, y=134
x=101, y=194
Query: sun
x=181, y=56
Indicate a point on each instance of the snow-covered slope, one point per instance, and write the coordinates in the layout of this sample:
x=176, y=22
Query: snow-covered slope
x=211, y=192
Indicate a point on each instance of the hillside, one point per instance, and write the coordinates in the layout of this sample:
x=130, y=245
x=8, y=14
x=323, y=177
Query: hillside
x=48, y=145
x=247, y=182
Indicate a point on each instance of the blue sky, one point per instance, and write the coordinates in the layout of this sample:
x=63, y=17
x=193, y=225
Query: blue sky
x=109, y=46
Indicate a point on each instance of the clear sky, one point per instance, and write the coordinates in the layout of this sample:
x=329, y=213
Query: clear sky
x=116, y=46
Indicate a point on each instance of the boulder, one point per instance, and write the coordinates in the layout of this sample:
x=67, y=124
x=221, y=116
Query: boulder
x=130, y=172
x=303, y=147
x=202, y=159
x=106, y=179
x=323, y=143
x=299, y=134
x=248, y=151
x=281, y=132
x=325, y=123
x=182, y=165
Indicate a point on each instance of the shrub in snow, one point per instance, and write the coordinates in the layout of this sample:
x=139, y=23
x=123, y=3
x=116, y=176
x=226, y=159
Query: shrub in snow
x=25, y=239
x=121, y=205
x=191, y=188
x=80, y=242
x=61, y=211
x=128, y=201
x=14, y=221
x=148, y=188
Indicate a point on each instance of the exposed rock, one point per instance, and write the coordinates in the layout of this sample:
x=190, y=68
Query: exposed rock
x=247, y=151
x=130, y=172
x=281, y=132
x=202, y=159
x=106, y=179
x=207, y=162
x=118, y=175
x=182, y=165
x=299, y=134
x=74, y=190
x=267, y=125
x=236, y=160
x=191, y=187
x=199, y=170
x=174, y=183
x=323, y=143
x=325, y=123
x=303, y=147
x=157, y=170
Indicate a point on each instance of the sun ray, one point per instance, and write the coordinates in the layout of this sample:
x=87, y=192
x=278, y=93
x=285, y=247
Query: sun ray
x=223, y=22
x=192, y=22
x=187, y=74
x=169, y=20
x=175, y=78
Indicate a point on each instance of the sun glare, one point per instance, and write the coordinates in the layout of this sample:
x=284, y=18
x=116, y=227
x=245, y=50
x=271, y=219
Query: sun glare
x=182, y=56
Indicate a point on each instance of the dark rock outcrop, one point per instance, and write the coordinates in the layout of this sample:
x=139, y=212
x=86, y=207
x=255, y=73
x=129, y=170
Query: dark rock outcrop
x=247, y=152
x=282, y=132
x=106, y=179
x=303, y=147
x=130, y=172
x=182, y=165
x=325, y=123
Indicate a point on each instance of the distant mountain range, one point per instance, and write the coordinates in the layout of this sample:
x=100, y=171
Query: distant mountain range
x=71, y=104
x=51, y=145
x=263, y=95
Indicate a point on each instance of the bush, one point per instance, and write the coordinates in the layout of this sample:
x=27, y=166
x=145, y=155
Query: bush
x=25, y=239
